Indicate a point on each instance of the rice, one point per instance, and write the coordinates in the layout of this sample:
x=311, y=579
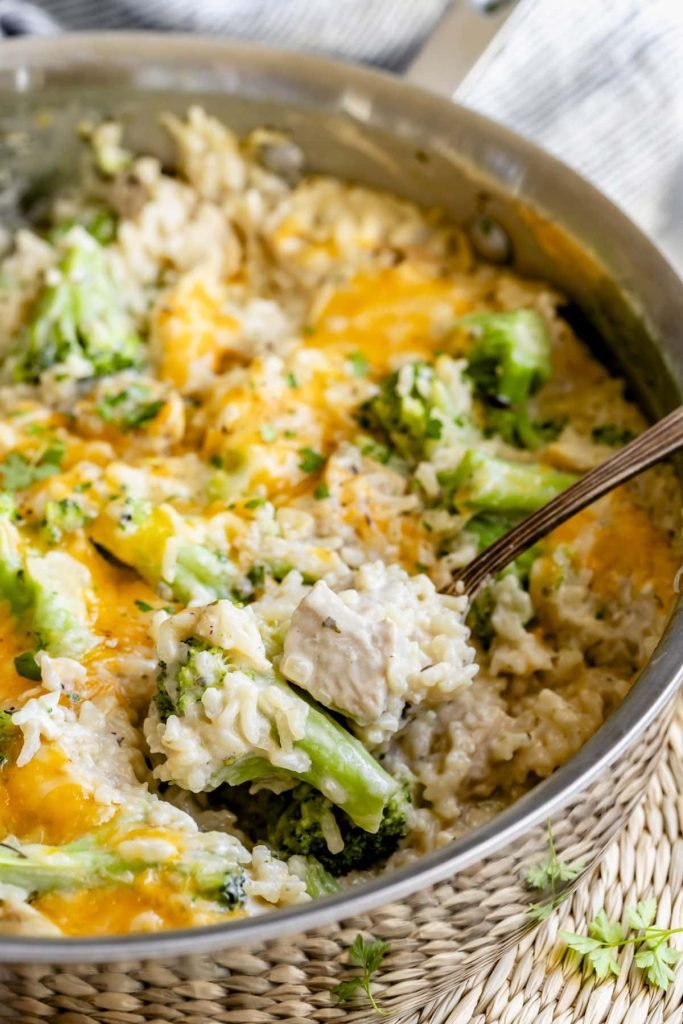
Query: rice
x=267, y=311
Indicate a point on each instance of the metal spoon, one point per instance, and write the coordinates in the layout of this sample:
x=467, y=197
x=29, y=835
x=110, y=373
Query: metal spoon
x=650, y=447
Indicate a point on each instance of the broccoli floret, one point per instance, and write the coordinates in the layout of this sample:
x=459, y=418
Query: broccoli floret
x=412, y=410
x=488, y=528
x=372, y=449
x=87, y=864
x=136, y=533
x=308, y=817
x=230, y=890
x=508, y=360
x=338, y=764
x=61, y=517
x=78, y=314
x=478, y=618
x=187, y=685
x=485, y=483
x=13, y=584
x=612, y=434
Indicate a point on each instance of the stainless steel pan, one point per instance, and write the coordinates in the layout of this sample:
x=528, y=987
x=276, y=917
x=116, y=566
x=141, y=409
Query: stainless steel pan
x=459, y=907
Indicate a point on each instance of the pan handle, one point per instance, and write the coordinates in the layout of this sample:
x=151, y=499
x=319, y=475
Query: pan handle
x=459, y=40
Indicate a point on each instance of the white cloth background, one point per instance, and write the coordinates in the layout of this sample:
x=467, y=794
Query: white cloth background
x=597, y=82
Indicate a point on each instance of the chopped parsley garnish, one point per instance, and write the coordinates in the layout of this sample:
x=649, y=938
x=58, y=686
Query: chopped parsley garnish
x=143, y=606
x=255, y=503
x=549, y=430
x=27, y=666
x=129, y=409
x=321, y=491
x=613, y=435
x=257, y=575
x=310, y=461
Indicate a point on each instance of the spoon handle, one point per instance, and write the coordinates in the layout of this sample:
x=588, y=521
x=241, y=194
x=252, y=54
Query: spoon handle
x=644, y=451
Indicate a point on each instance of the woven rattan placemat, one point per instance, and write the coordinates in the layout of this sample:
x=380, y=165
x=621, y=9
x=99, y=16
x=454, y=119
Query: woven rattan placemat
x=534, y=983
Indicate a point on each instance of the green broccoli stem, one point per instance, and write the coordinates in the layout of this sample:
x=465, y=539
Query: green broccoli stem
x=59, y=627
x=37, y=598
x=38, y=869
x=13, y=586
x=344, y=771
x=483, y=482
x=9, y=733
x=198, y=567
x=508, y=360
x=319, y=882
x=136, y=533
x=340, y=768
x=86, y=864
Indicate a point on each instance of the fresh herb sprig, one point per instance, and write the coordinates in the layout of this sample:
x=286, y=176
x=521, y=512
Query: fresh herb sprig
x=367, y=954
x=548, y=877
x=655, y=957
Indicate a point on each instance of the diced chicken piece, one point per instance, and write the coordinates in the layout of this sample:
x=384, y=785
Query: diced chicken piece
x=339, y=657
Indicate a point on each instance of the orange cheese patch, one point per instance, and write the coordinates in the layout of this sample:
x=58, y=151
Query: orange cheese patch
x=13, y=641
x=390, y=316
x=616, y=540
x=148, y=904
x=190, y=329
x=261, y=428
x=40, y=803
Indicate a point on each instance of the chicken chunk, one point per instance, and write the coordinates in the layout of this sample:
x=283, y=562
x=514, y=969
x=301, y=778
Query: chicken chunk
x=339, y=657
